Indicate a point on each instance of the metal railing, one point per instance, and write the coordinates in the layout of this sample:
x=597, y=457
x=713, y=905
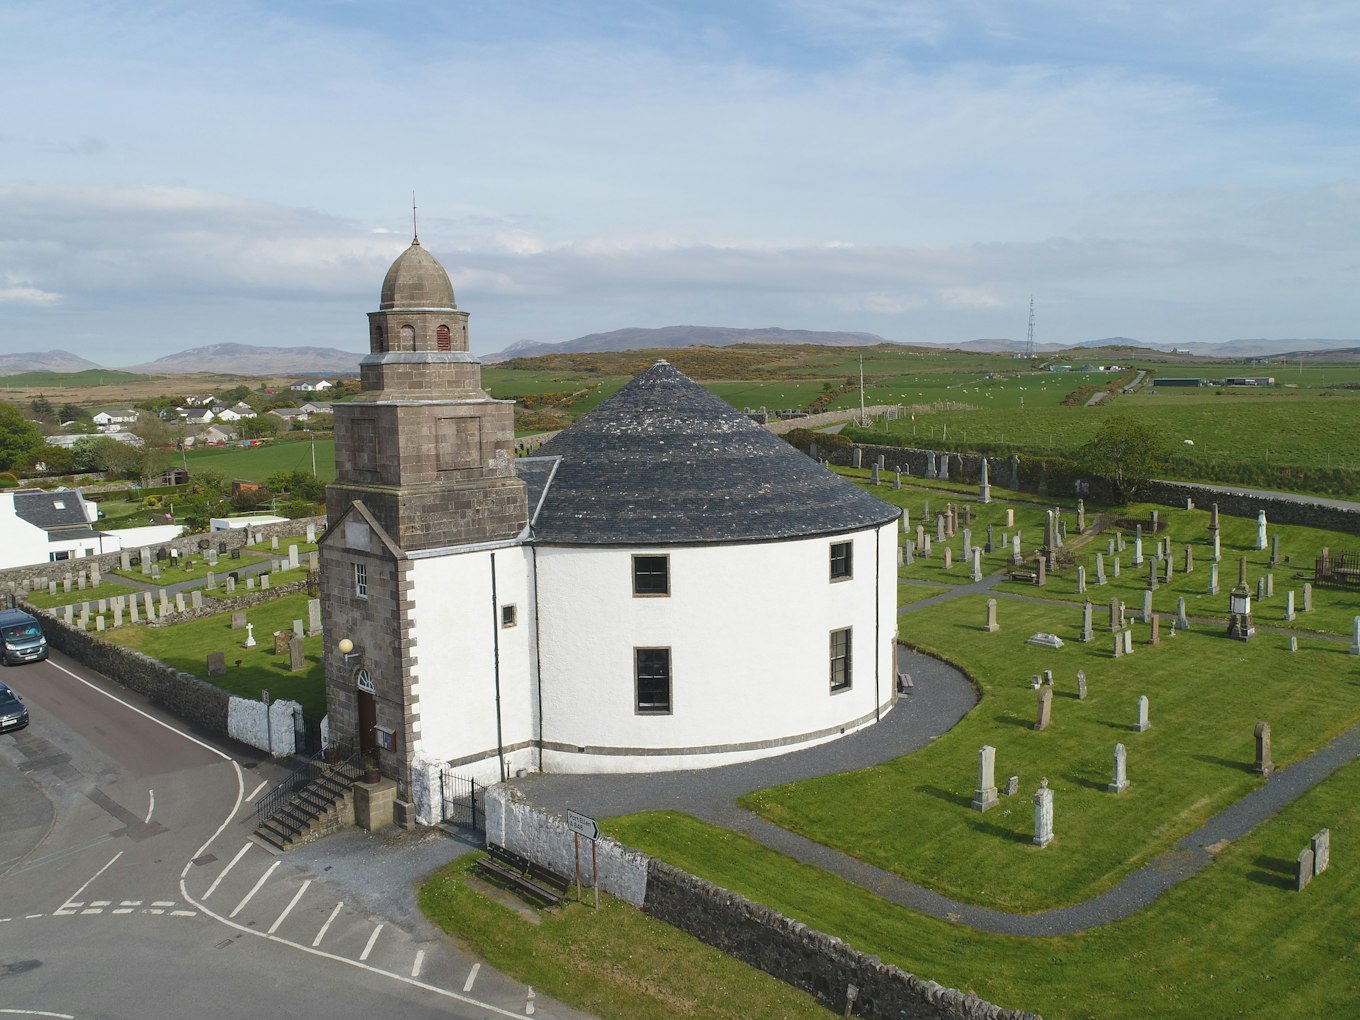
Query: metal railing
x=461, y=801
x=276, y=799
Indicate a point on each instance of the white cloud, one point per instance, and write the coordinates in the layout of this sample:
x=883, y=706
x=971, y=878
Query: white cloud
x=23, y=294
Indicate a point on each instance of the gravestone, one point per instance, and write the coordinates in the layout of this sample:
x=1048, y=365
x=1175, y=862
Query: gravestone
x=1213, y=579
x=1109, y=547
x=146, y=559
x=930, y=464
x=1270, y=586
x=98, y=623
x=897, y=479
x=1043, y=815
x=1081, y=516
x=1213, y=518
x=250, y=635
x=311, y=534
x=293, y=554
x=901, y=557
x=1355, y=636
x=1275, y=549
x=1114, y=615
x=1138, y=550
x=1116, y=566
x=1307, y=596
x=1048, y=677
x=1120, y=781
x=1264, y=766
x=51, y=587
x=992, y=626
x=1012, y=786
x=117, y=613
x=211, y=582
x=975, y=573
x=238, y=619
x=1293, y=643
x=944, y=467
x=1260, y=589
x=125, y=560
x=856, y=460
x=1010, y=517
x=926, y=551
x=149, y=607
x=1128, y=642
x=298, y=629
x=1041, y=572
x=217, y=664
x=920, y=537
x=296, y=662
x=1045, y=711
x=1081, y=580
x=1182, y=621
x=1289, y=606
x=907, y=558
x=1218, y=550
x=1261, y=530
x=985, y=795
x=66, y=584
x=1143, y=724
x=1147, y=607
x=906, y=520
x=1016, y=558
x=1152, y=576
x=179, y=601
x=1321, y=846
x=948, y=558
x=281, y=639
x=250, y=582
x=1303, y=869
x=196, y=599
x=1036, y=681
x=231, y=584
x=967, y=543
x=1100, y=568
x=80, y=581
x=990, y=547
x=1155, y=635
x=1081, y=685
x=274, y=542
x=873, y=474
x=1087, y=633
x=939, y=528
x=1167, y=571
x=69, y=613
x=1119, y=541
x=984, y=490
x=212, y=557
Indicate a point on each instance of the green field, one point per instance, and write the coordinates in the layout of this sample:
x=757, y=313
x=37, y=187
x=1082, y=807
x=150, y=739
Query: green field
x=60, y=380
x=256, y=463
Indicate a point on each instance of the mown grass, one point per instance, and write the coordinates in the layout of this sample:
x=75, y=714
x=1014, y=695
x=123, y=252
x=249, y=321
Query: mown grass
x=1234, y=940
x=256, y=463
x=185, y=646
x=623, y=964
x=106, y=590
x=1206, y=694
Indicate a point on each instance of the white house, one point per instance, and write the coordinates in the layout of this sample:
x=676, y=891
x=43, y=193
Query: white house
x=312, y=386
x=38, y=527
x=107, y=418
x=666, y=585
x=243, y=410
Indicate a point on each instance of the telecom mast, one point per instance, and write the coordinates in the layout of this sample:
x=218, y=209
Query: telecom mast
x=1029, y=340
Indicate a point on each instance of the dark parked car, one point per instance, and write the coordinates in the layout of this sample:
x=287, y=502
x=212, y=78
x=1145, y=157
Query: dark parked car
x=13, y=711
x=21, y=638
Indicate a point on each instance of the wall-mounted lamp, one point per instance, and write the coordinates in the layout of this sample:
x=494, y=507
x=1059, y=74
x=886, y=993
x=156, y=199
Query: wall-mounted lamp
x=348, y=652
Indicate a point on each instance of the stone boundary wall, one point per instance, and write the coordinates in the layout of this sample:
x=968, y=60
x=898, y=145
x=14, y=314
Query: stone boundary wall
x=186, y=697
x=545, y=838
x=235, y=538
x=822, y=419
x=1280, y=508
x=786, y=949
x=271, y=728
x=819, y=964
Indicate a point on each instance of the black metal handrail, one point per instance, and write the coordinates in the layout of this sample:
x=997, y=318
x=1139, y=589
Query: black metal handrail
x=274, y=801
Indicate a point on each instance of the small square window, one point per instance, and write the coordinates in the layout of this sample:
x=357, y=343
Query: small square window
x=361, y=580
x=842, y=560
x=653, y=676
x=651, y=575
x=840, y=659
x=509, y=615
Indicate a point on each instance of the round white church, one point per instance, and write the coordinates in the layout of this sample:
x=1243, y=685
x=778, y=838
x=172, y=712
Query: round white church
x=664, y=585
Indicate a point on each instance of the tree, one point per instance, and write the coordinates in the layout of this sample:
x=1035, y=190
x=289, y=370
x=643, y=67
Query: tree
x=73, y=412
x=20, y=442
x=42, y=407
x=1127, y=453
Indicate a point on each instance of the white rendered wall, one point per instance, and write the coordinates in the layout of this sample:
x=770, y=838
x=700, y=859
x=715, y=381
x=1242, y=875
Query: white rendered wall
x=455, y=626
x=21, y=543
x=749, y=631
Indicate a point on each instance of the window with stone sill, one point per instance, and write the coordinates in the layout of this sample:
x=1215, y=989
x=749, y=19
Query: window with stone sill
x=842, y=560
x=509, y=615
x=652, y=675
x=840, y=659
x=361, y=580
x=651, y=575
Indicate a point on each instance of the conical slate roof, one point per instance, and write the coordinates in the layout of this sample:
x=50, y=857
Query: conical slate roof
x=665, y=461
x=416, y=280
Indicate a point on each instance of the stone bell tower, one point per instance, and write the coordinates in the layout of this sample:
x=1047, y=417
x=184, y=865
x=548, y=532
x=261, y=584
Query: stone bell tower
x=429, y=454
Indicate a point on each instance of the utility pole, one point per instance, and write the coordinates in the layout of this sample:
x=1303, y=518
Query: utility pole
x=1029, y=340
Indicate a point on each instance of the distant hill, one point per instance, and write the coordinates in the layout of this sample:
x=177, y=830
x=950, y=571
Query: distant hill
x=683, y=336
x=245, y=359
x=43, y=361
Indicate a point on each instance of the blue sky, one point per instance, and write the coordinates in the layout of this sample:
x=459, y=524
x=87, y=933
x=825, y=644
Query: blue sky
x=177, y=174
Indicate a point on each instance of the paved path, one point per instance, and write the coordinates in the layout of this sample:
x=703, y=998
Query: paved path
x=941, y=696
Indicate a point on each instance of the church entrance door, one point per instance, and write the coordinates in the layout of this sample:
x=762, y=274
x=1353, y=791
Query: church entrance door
x=368, y=722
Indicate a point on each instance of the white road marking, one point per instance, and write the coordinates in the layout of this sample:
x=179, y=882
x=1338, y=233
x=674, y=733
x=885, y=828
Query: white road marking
x=101, y=903
x=151, y=806
x=94, y=876
x=57, y=913
x=29, y=917
x=162, y=903
x=255, y=792
x=239, y=854
x=472, y=976
x=131, y=903
x=37, y=1012
x=123, y=910
x=371, y=939
x=153, y=910
x=325, y=927
x=184, y=913
x=263, y=878
x=289, y=909
x=93, y=910
x=420, y=959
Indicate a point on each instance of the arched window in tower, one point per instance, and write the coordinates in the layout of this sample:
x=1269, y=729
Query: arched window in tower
x=408, y=338
x=443, y=340
x=379, y=341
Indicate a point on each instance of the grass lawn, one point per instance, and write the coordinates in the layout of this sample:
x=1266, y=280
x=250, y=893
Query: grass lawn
x=1206, y=694
x=256, y=463
x=1235, y=940
x=193, y=569
x=185, y=646
x=106, y=590
x=623, y=965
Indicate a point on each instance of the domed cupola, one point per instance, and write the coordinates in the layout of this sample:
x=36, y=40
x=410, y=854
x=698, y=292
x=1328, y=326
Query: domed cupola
x=416, y=280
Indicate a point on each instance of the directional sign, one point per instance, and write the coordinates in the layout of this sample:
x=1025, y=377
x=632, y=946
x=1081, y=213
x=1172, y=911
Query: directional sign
x=582, y=825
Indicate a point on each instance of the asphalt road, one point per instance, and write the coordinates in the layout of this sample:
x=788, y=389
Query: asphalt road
x=130, y=888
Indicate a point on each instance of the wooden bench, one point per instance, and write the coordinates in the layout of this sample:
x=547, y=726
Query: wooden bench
x=540, y=882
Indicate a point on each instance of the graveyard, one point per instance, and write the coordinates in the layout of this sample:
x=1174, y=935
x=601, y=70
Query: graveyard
x=1132, y=749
